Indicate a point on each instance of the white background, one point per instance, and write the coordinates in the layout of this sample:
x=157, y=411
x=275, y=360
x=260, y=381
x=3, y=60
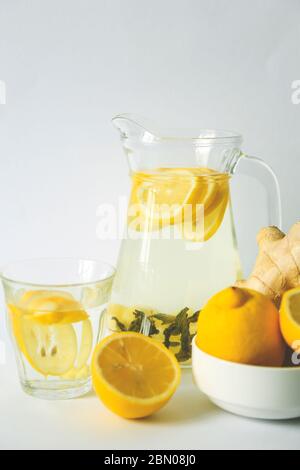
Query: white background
x=70, y=65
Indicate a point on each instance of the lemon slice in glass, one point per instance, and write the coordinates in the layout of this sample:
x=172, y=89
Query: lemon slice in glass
x=50, y=350
x=86, y=344
x=42, y=327
x=52, y=307
x=81, y=369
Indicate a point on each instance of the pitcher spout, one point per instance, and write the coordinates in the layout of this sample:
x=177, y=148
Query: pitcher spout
x=132, y=126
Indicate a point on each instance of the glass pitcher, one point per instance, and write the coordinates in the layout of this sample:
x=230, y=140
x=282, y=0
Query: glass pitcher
x=180, y=246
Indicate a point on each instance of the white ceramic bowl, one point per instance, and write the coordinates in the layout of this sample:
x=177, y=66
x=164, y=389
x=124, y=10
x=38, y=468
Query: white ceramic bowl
x=252, y=391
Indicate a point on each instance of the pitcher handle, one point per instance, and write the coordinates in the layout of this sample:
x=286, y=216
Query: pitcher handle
x=258, y=169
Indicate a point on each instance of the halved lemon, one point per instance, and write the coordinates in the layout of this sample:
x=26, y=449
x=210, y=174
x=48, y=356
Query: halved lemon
x=133, y=374
x=290, y=317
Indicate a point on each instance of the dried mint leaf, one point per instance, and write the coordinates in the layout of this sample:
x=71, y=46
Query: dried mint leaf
x=165, y=319
x=177, y=327
x=136, y=325
x=181, y=326
x=194, y=318
x=153, y=330
x=120, y=325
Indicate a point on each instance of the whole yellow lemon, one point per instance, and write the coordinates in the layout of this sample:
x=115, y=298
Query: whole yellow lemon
x=241, y=325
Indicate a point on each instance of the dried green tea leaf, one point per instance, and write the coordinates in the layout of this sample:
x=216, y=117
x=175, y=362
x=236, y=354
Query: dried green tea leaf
x=120, y=325
x=136, y=325
x=194, y=318
x=165, y=319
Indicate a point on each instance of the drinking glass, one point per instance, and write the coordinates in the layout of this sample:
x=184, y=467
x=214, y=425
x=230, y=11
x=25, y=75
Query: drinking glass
x=55, y=311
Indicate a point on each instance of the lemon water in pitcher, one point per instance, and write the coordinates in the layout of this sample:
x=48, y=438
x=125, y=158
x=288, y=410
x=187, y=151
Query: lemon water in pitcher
x=180, y=246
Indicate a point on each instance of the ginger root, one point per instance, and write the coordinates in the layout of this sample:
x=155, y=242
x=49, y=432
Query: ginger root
x=277, y=267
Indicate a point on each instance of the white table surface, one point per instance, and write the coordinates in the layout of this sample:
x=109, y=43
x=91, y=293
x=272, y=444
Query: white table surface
x=189, y=421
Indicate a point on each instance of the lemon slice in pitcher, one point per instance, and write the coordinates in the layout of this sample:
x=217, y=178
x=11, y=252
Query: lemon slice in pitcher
x=210, y=224
x=161, y=196
x=204, y=178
